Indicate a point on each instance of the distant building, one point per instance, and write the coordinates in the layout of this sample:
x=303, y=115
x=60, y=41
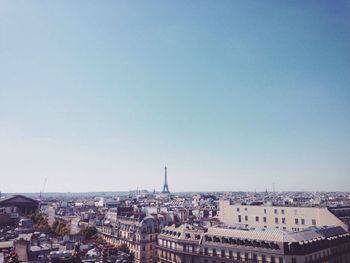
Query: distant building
x=8, y=216
x=282, y=217
x=223, y=245
x=33, y=247
x=24, y=205
x=12, y=208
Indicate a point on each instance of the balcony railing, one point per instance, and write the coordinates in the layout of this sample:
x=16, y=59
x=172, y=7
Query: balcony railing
x=131, y=240
x=178, y=250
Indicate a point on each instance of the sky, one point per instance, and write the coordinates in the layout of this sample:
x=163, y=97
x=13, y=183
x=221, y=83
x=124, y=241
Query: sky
x=230, y=95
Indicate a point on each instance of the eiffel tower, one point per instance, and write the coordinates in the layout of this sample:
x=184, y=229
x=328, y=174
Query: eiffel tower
x=165, y=186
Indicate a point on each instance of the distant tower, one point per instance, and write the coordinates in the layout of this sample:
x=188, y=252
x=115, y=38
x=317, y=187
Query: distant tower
x=165, y=186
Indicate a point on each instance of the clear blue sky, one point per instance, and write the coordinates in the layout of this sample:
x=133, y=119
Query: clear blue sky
x=231, y=95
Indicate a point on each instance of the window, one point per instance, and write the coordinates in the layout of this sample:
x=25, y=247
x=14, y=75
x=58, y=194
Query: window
x=294, y=260
x=255, y=258
x=275, y=211
x=223, y=254
x=238, y=256
x=214, y=252
x=230, y=254
x=276, y=220
x=237, y=209
x=246, y=257
x=264, y=219
x=246, y=218
x=205, y=251
x=314, y=222
x=283, y=220
x=245, y=209
x=303, y=221
x=239, y=218
x=257, y=219
x=282, y=211
x=264, y=211
x=273, y=260
x=280, y=260
x=296, y=221
x=263, y=258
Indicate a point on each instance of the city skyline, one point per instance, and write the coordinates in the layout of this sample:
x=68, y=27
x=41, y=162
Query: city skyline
x=230, y=96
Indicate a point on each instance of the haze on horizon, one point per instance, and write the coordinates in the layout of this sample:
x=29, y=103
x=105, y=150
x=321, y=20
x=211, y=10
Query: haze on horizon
x=230, y=95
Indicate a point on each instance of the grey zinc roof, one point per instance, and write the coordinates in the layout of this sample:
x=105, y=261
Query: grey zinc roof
x=183, y=230
x=269, y=234
x=302, y=236
x=258, y=234
x=331, y=231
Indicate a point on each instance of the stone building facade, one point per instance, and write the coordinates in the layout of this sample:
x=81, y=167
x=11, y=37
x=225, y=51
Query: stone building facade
x=138, y=233
x=187, y=244
x=23, y=205
x=282, y=217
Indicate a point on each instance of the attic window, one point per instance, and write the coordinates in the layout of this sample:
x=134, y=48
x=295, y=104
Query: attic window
x=256, y=244
x=274, y=246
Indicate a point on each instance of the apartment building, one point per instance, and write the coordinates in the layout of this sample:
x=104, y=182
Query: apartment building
x=281, y=217
x=186, y=244
x=138, y=233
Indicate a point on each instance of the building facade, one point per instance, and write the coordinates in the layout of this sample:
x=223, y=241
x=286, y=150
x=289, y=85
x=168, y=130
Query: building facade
x=186, y=244
x=22, y=204
x=281, y=217
x=139, y=234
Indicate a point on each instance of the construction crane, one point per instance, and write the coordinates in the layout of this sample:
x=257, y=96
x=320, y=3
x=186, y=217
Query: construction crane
x=43, y=189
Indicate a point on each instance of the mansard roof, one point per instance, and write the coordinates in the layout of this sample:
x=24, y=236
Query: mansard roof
x=237, y=236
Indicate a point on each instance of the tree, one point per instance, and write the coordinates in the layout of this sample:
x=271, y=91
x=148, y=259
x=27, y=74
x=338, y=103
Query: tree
x=40, y=221
x=55, y=224
x=90, y=232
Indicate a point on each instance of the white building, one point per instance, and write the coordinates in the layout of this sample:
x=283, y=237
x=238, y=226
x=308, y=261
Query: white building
x=281, y=217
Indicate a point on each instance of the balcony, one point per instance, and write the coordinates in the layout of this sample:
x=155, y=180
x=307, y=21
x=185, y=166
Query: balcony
x=177, y=251
x=130, y=240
